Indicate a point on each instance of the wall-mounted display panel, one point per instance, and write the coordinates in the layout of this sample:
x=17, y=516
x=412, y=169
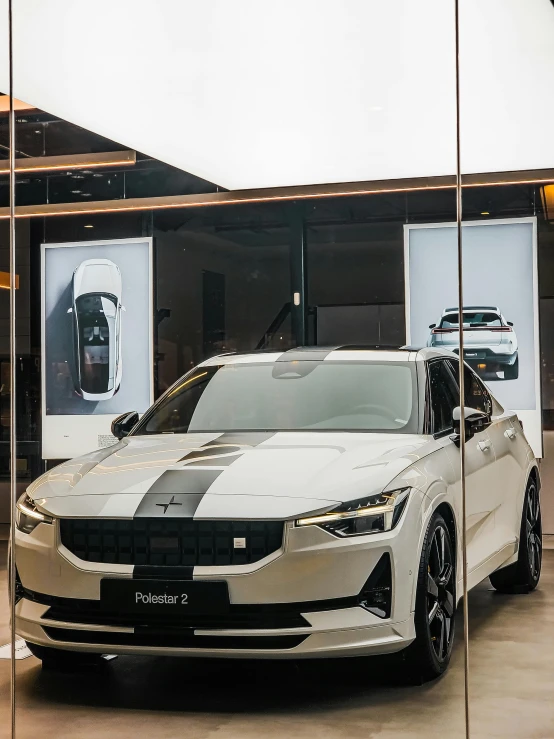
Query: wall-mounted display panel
x=97, y=340
x=500, y=312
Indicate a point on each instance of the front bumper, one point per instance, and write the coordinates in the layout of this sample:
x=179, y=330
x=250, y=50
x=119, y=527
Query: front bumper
x=302, y=601
x=339, y=633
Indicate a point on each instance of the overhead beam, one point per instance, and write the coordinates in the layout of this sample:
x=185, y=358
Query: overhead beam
x=71, y=161
x=280, y=194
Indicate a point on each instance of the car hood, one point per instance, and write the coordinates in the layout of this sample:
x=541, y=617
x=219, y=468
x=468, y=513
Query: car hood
x=97, y=276
x=245, y=475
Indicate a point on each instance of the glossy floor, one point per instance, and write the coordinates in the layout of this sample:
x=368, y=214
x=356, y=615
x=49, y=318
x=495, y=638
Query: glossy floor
x=512, y=689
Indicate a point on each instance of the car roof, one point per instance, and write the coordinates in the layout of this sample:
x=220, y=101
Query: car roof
x=471, y=307
x=343, y=353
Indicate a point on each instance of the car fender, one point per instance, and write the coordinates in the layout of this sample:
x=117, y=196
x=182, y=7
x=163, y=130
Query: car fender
x=435, y=496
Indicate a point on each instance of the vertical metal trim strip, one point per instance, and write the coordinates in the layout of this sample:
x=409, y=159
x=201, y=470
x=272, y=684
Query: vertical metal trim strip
x=461, y=372
x=13, y=426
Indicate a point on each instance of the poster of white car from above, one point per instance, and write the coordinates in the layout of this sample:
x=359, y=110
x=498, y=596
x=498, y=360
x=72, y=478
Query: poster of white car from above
x=96, y=310
x=97, y=340
x=490, y=342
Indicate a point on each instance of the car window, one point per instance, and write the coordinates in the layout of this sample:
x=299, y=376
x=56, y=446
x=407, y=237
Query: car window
x=290, y=396
x=472, y=319
x=476, y=394
x=95, y=326
x=444, y=396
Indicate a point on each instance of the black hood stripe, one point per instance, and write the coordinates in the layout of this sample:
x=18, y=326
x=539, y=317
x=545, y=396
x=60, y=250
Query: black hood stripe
x=241, y=438
x=213, y=450
x=218, y=460
x=177, y=493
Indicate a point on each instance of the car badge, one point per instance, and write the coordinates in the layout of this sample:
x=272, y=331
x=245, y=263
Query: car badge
x=165, y=506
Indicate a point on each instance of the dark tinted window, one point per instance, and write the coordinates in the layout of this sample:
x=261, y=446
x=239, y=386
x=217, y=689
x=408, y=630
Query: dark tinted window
x=96, y=317
x=473, y=319
x=476, y=394
x=444, y=396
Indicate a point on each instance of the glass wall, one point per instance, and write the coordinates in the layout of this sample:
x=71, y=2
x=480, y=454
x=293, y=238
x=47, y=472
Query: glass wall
x=124, y=261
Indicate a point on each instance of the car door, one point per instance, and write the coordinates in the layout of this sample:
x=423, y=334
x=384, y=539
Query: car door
x=510, y=464
x=480, y=477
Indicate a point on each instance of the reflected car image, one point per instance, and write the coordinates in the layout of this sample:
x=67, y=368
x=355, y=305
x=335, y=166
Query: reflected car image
x=490, y=342
x=96, y=314
x=297, y=504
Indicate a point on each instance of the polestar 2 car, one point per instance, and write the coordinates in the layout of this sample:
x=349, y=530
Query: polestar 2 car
x=96, y=311
x=282, y=505
x=490, y=342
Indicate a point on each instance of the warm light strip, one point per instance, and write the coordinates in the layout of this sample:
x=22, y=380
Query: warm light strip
x=17, y=104
x=266, y=195
x=5, y=281
x=547, y=196
x=68, y=162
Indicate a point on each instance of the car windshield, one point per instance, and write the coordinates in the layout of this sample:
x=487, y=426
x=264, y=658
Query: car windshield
x=96, y=315
x=290, y=396
x=472, y=319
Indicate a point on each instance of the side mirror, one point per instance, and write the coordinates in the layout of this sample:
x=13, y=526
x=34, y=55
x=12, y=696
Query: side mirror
x=122, y=425
x=433, y=325
x=70, y=310
x=510, y=323
x=474, y=422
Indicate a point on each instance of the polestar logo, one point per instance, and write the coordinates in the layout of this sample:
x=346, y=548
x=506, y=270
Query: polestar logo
x=165, y=506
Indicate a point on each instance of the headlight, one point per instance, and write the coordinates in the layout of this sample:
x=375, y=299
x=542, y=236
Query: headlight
x=364, y=516
x=27, y=518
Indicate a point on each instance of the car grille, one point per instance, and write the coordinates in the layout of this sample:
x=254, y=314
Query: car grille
x=171, y=543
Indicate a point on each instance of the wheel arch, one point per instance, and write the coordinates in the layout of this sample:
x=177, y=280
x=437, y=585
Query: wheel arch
x=534, y=475
x=445, y=509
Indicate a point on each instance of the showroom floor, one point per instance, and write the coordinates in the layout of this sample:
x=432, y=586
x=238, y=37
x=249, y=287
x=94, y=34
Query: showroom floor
x=512, y=689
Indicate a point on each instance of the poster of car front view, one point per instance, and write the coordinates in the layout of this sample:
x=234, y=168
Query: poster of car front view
x=499, y=318
x=97, y=341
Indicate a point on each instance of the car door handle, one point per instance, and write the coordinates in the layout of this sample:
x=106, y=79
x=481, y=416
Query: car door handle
x=510, y=434
x=484, y=446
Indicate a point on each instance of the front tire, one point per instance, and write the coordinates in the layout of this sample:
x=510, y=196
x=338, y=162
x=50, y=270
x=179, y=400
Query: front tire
x=523, y=575
x=429, y=655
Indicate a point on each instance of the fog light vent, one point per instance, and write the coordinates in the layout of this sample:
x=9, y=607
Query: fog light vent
x=376, y=595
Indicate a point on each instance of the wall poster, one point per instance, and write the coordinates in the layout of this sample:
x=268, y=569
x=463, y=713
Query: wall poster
x=97, y=340
x=500, y=312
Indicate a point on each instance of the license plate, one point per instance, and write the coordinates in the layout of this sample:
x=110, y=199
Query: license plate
x=163, y=596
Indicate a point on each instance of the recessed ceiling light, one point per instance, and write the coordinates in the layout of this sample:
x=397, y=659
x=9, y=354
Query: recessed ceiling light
x=85, y=194
x=89, y=225
x=87, y=171
x=97, y=174
x=78, y=176
x=485, y=213
x=75, y=192
x=38, y=131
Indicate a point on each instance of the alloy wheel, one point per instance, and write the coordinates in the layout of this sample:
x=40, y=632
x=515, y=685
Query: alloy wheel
x=533, y=531
x=440, y=593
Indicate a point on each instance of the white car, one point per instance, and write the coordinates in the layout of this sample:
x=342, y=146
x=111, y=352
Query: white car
x=96, y=309
x=282, y=505
x=490, y=342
